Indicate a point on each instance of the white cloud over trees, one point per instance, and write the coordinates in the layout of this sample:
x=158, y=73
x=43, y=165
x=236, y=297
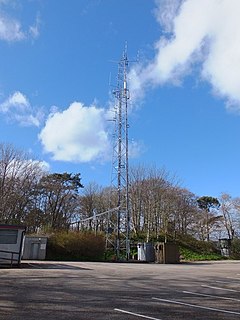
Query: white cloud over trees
x=76, y=134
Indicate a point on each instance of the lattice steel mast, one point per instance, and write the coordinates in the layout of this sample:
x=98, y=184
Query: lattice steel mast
x=120, y=179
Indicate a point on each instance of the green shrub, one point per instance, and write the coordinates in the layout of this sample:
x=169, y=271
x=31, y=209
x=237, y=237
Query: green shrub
x=235, y=249
x=76, y=246
x=191, y=255
x=192, y=249
x=189, y=242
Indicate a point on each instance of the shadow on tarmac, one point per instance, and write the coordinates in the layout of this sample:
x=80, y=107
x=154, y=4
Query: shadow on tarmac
x=34, y=265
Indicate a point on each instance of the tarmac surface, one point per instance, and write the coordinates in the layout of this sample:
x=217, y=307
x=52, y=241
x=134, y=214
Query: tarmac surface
x=120, y=291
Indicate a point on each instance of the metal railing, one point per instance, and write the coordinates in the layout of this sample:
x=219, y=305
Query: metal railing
x=11, y=258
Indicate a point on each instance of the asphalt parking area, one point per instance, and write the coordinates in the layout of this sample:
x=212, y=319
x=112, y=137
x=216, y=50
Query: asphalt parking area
x=81, y=290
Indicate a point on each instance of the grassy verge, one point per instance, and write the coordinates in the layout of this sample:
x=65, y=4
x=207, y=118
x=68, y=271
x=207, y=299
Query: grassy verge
x=187, y=254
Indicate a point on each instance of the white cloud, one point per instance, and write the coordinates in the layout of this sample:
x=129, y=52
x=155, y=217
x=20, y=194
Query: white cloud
x=11, y=29
x=16, y=101
x=136, y=148
x=34, y=29
x=45, y=166
x=195, y=32
x=27, y=166
x=77, y=134
x=166, y=11
x=28, y=120
x=17, y=108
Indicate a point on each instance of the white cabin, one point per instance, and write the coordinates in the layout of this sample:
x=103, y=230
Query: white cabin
x=11, y=244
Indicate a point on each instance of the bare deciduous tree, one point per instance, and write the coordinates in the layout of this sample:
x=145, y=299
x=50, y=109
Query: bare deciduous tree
x=18, y=178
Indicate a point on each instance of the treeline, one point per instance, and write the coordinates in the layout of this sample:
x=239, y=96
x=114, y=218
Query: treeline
x=30, y=195
x=161, y=208
x=158, y=205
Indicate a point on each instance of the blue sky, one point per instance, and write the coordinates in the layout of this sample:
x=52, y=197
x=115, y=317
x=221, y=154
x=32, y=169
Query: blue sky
x=57, y=69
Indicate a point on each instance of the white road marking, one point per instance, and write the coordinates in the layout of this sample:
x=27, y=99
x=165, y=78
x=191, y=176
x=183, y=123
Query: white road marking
x=196, y=306
x=209, y=295
x=217, y=288
x=221, y=281
x=136, y=314
x=238, y=279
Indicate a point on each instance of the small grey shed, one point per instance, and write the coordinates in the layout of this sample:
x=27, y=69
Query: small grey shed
x=35, y=248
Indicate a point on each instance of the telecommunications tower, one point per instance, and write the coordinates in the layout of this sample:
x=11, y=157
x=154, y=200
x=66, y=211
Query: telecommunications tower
x=120, y=179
